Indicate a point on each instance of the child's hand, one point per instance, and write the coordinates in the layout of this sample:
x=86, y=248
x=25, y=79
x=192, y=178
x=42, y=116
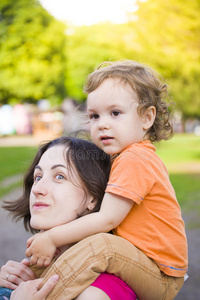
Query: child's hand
x=41, y=249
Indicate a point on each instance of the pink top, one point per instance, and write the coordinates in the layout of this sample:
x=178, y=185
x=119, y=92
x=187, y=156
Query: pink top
x=114, y=287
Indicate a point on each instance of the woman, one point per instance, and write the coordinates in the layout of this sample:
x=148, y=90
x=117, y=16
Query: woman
x=66, y=180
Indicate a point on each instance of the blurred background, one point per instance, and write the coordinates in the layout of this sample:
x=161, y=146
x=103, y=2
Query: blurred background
x=47, y=49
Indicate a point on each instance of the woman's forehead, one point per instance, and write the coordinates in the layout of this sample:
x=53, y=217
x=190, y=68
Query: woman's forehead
x=55, y=154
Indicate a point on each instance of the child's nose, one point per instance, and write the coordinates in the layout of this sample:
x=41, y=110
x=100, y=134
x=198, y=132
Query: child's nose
x=103, y=123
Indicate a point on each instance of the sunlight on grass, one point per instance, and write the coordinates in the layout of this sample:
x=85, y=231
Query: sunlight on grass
x=181, y=148
x=187, y=187
x=181, y=155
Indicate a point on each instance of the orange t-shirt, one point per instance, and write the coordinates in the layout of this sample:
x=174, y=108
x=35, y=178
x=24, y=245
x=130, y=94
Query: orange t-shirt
x=154, y=223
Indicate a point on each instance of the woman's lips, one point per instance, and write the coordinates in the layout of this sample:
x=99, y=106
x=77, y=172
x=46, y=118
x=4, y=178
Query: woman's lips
x=40, y=205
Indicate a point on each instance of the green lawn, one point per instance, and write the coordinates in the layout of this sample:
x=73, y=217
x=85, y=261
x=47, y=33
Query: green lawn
x=14, y=160
x=181, y=155
x=180, y=149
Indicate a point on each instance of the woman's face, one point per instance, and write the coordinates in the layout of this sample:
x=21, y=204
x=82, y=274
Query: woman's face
x=54, y=198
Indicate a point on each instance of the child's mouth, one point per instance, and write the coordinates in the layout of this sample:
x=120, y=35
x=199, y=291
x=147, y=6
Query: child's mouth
x=106, y=139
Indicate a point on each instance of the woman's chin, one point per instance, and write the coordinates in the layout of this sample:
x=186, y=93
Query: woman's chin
x=37, y=226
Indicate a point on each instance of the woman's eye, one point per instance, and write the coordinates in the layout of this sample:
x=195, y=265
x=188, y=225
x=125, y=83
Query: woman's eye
x=37, y=178
x=115, y=113
x=59, y=176
x=94, y=116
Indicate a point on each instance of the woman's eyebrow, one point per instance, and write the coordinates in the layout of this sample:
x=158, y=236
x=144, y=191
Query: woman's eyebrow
x=57, y=166
x=38, y=167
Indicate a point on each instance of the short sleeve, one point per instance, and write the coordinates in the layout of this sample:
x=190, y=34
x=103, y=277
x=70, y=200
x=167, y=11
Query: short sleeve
x=131, y=177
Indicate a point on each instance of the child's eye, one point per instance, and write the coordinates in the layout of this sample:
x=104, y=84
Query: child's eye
x=94, y=116
x=59, y=176
x=115, y=113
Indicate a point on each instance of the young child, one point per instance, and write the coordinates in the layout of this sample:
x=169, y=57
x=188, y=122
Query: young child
x=127, y=110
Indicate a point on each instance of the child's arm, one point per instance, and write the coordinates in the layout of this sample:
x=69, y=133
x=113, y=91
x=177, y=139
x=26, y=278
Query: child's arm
x=113, y=211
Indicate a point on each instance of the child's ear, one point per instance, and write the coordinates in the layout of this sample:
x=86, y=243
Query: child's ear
x=149, y=117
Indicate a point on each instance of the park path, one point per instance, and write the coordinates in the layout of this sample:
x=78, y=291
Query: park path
x=12, y=235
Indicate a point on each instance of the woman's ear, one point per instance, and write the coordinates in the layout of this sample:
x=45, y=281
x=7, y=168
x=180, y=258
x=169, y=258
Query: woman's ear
x=90, y=207
x=92, y=204
x=149, y=117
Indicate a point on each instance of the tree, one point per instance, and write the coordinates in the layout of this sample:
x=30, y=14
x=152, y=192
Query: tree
x=168, y=33
x=32, y=53
x=162, y=34
x=89, y=46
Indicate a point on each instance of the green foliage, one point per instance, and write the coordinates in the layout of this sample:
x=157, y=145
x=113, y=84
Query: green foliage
x=169, y=34
x=32, y=59
x=37, y=59
x=163, y=34
x=86, y=49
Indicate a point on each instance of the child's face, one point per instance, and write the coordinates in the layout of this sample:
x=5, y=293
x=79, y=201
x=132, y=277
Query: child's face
x=114, y=121
x=54, y=199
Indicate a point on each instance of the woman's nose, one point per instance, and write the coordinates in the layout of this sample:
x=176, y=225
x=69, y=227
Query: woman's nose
x=40, y=187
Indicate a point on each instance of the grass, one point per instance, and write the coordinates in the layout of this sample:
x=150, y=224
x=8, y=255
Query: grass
x=187, y=189
x=181, y=148
x=181, y=155
x=15, y=160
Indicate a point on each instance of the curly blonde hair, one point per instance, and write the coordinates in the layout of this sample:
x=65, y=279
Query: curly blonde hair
x=149, y=87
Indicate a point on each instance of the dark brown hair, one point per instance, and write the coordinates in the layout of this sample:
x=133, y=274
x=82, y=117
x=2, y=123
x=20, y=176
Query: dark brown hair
x=91, y=164
x=147, y=84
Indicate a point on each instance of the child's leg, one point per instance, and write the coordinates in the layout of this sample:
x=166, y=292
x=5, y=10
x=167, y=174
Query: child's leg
x=92, y=293
x=79, y=266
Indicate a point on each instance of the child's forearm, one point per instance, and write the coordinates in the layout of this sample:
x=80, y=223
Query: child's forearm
x=113, y=211
x=79, y=229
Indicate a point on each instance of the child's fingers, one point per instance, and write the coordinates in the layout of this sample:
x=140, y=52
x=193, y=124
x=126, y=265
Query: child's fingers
x=33, y=260
x=40, y=262
x=47, y=262
x=28, y=252
x=29, y=241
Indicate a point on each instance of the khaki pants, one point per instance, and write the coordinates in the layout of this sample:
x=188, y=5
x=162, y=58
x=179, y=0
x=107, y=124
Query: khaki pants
x=79, y=266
